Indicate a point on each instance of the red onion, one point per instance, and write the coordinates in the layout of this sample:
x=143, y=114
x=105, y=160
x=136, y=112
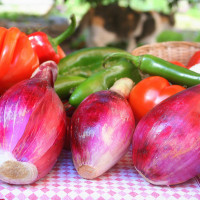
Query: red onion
x=69, y=109
x=102, y=127
x=166, y=142
x=32, y=127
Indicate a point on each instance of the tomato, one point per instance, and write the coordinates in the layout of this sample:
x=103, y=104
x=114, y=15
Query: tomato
x=175, y=62
x=195, y=59
x=149, y=92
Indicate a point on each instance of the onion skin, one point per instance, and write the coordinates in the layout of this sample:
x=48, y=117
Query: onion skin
x=102, y=128
x=166, y=142
x=69, y=109
x=32, y=127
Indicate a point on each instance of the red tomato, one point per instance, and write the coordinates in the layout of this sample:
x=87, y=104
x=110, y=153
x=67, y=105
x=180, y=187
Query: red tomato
x=195, y=59
x=175, y=62
x=149, y=92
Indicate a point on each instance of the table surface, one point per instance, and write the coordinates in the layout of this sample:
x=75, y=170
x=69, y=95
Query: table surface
x=120, y=182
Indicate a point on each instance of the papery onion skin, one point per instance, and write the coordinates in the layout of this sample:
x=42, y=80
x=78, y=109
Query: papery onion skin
x=102, y=128
x=32, y=125
x=166, y=142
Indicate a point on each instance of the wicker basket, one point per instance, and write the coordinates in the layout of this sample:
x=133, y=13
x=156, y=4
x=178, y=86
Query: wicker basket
x=180, y=51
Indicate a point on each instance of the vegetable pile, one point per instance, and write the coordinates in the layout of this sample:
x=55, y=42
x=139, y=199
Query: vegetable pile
x=95, y=103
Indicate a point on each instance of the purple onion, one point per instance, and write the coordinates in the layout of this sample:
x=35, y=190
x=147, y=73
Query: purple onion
x=32, y=127
x=102, y=128
x=166, y=142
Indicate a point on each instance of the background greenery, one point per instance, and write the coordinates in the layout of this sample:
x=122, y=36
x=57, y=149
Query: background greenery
x=187, y=25
x=79, y=7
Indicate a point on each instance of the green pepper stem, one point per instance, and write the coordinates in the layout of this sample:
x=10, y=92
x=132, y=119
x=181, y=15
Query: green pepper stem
x=136, y=60
x=70, y=30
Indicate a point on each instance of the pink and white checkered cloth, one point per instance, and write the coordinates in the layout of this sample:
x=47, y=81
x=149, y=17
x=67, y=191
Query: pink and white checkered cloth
x=120, y=182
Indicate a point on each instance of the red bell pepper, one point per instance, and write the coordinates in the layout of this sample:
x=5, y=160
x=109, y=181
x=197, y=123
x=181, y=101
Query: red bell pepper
x=17, y=57
x=48, y=48
x=149, y=92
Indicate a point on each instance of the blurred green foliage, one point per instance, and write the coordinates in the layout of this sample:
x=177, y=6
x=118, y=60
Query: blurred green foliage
x=169, y=3
x=197, y=38
x=172, y=35
x=169, y=35
x=80, y=7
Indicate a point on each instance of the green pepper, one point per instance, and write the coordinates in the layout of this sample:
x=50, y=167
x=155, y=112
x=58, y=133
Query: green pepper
x=154, y=65
x=86, y=61
x=64, y=85
x=104, y=79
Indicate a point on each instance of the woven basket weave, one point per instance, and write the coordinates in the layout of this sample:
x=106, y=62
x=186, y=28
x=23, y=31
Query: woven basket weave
x=170, y=51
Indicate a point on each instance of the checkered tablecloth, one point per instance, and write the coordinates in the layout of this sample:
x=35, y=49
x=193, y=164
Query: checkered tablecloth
x=120, y=182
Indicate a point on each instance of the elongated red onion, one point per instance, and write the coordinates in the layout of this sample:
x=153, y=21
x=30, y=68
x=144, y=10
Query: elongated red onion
x=69, y=109
x=102, y=128
x=32, y=127
x=166, y=142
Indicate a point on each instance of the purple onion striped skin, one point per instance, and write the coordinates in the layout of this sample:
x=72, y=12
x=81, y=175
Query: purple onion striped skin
x=101, y=129
x=166, y=142
x=32, y=126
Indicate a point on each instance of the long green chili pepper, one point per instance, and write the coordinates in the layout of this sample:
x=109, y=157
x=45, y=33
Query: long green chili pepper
x=86, y=61
x=104, y=79
x=156, y=66
x=64, y=85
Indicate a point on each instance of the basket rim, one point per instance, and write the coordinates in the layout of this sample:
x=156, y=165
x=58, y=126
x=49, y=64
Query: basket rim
x=167, y=45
